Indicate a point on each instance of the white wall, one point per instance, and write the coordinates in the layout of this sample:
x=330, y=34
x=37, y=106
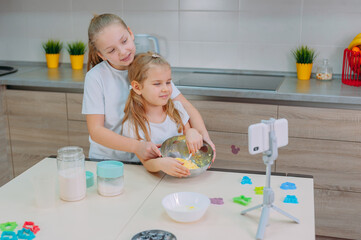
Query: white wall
x=233, y=34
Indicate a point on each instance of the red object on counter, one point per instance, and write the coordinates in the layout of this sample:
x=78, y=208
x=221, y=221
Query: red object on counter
x=351, y=68
x=30, y=225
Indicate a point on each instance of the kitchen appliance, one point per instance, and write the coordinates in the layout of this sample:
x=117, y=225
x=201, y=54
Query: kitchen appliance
x=145, y=43
x=6, y=70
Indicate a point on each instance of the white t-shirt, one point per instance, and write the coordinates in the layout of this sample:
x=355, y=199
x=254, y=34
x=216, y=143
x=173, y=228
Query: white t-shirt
x=106, y=90
x=159, y=132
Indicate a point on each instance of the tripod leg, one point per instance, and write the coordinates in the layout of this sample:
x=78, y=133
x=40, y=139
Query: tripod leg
x=262, y=223
x=285, y=213
x=250, y=209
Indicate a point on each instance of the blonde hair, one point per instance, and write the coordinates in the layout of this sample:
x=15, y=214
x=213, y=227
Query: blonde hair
x=97, y=24
x=135, y=106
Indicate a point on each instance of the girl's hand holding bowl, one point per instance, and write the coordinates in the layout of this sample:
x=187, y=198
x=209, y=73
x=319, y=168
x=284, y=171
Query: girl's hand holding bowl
x=173, y=167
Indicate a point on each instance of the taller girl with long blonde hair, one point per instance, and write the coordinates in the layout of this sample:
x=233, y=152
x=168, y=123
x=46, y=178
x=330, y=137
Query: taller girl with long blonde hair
x=106, y=89
x=150, y=113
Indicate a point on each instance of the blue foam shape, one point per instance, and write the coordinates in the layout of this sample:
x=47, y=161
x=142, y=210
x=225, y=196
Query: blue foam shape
x=8, y=235
x=26, y=234
x=246, y=180
x=288, y=186
x=291, y=199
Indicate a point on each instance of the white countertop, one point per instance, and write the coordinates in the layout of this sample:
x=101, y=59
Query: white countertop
x=139, y=207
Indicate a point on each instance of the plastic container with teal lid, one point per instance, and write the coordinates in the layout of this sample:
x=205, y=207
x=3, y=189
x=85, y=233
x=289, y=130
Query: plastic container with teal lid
x=110, y=178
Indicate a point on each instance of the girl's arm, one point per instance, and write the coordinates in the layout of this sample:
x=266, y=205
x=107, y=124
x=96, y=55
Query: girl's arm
x=196, y=120
x=110, y=139
x=170, y=166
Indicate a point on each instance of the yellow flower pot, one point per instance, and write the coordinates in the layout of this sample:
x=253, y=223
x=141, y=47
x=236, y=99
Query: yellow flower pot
x=52, y=60
x=304, y=71
x=77, y=61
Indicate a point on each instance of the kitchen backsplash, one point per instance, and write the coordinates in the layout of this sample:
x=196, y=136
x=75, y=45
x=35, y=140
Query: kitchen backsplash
x=231, y=34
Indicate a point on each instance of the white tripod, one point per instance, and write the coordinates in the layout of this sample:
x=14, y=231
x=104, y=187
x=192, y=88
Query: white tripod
x=269, y=157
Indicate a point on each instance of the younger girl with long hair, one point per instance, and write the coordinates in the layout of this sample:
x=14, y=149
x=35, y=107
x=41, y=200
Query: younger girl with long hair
x=150, y=113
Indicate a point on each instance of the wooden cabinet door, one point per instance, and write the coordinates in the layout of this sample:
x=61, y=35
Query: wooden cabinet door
x=78, y=135
x=232, y=152
x=338, y=214
x=322, y=123
x=6, y=166
x=233, y=117
x=78, y=131
x=74, y=105
x=335, y=165
x=38, y=126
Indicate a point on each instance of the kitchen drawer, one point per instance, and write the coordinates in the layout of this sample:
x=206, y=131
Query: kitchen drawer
x=338, y=214
x=74, y=106
x=236, y=157
x=334, y=165
x=322, y=123
x=233, y=117
x=78, y=135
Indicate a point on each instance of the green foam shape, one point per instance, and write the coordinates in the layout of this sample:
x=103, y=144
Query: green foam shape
x=8, y=226
x=242, y=200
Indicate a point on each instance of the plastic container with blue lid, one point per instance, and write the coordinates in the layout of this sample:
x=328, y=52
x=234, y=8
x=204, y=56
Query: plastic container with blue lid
x=110, y=178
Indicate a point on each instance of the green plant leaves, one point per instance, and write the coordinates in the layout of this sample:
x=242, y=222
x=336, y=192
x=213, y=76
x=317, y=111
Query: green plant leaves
x=76, y=48
x=52, y=46
x=304, y=54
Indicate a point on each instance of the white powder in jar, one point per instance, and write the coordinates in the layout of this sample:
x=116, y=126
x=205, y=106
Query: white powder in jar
x=110, y=186
x=72, y=184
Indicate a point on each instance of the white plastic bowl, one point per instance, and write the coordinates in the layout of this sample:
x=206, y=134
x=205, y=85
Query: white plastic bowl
x=185, y=206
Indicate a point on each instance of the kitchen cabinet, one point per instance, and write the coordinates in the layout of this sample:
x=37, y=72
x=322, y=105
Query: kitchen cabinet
x=38, y=126
x=337, y=214
x=6, y=167
x=77, y=128
x=326, y=143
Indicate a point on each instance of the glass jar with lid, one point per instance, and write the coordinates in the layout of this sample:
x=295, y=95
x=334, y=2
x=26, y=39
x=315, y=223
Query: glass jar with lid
x=324, y=72
x=110, y=179
x=71, y=173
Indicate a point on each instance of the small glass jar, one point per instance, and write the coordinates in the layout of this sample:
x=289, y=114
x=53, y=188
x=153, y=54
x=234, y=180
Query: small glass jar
x=71, y=173
x=110, y=178
x=324, y=72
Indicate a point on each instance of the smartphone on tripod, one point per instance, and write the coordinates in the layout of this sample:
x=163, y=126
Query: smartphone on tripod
x=258, y=135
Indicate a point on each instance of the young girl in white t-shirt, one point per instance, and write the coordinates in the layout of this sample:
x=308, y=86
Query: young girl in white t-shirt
x=150, y=113
x=106, y=88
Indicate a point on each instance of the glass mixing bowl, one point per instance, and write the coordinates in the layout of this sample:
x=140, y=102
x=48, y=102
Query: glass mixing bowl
x=176, y=147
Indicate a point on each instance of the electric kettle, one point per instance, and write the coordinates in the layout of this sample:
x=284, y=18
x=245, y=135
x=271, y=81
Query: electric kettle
x=145, y=43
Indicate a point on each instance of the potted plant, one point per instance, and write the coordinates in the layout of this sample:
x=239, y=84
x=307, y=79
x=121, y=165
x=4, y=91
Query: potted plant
x=52, y=52
x=76, y=51
x=304, y=60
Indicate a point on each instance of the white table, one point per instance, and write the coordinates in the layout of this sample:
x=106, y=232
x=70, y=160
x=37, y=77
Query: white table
x=139, y=207
x=94, y=217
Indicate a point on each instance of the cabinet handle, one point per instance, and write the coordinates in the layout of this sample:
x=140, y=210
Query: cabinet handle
x=235, y=149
